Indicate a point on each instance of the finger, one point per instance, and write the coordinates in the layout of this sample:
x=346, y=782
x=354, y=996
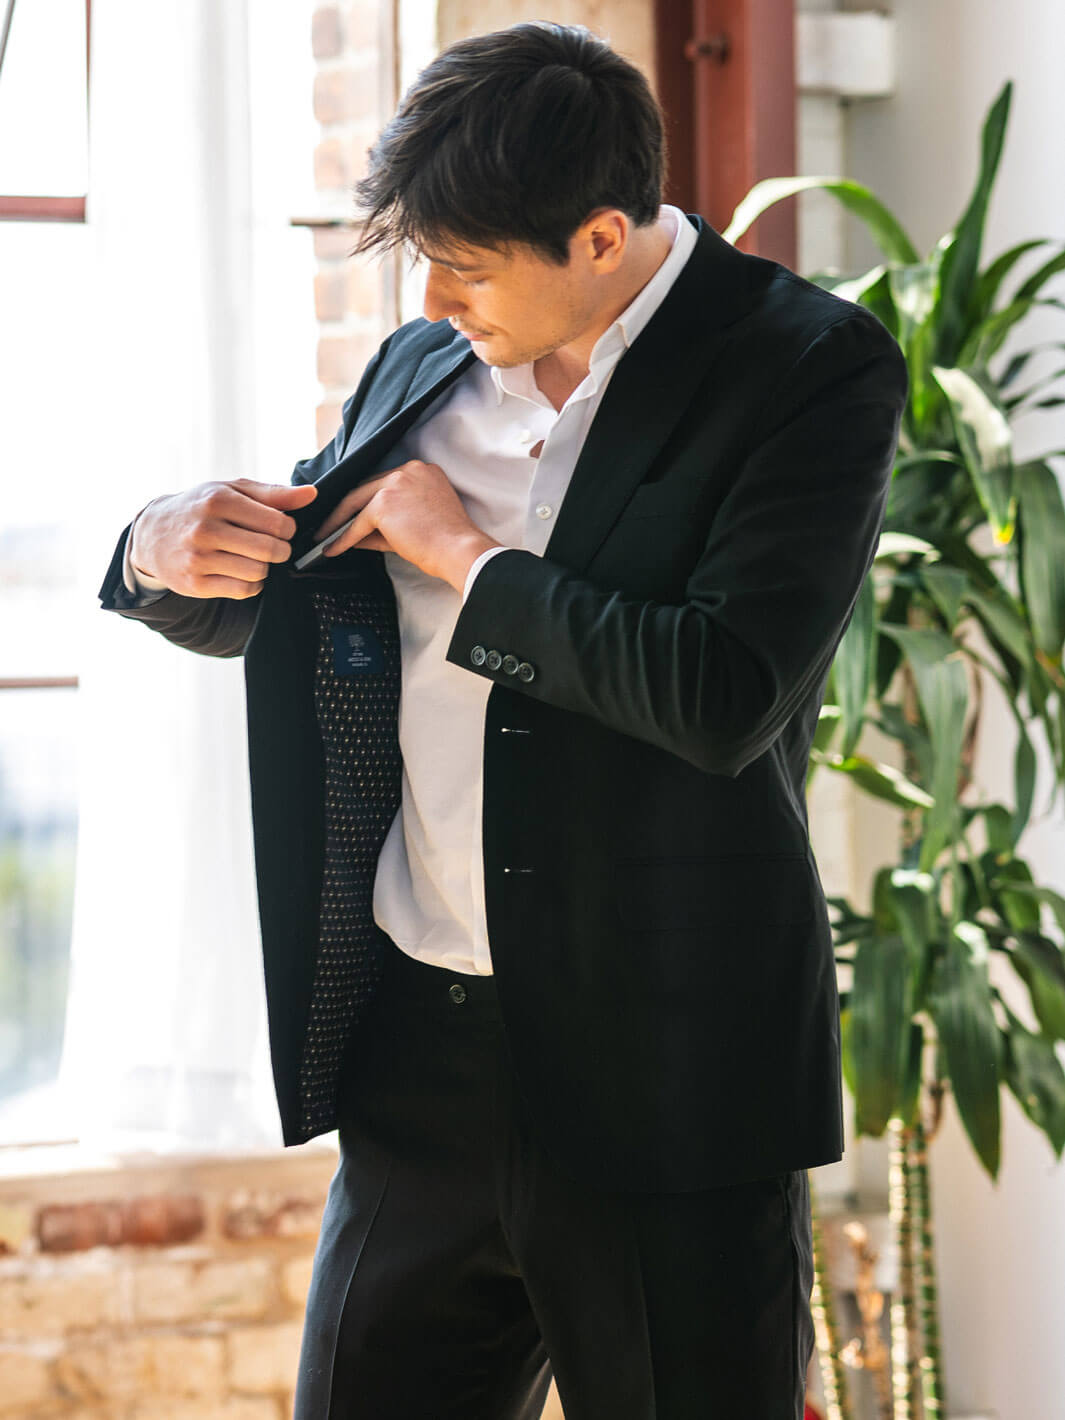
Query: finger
x=225, y=502
x=360, y=529
x=376, y=542
x=277, y=495
x=233, y=588
x=229, y=537
x=225, y=564
x=350, y=504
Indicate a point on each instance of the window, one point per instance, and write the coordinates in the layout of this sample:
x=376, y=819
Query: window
x=43, y=179
x=44, y=109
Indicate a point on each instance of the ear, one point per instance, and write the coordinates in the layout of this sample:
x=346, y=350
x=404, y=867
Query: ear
x=603, y=238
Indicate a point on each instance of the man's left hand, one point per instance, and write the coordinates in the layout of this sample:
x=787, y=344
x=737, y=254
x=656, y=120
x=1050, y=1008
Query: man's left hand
x=414, y=512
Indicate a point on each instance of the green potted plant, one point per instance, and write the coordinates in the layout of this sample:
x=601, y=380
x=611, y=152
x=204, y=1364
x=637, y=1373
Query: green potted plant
x=968, y=583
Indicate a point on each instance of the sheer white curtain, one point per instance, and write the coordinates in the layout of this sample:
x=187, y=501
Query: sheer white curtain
x=190, y=379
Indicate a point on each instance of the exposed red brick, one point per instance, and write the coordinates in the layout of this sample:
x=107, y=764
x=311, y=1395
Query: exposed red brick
x=333, y=165
x=326, y=37
x=73, y=1227
x=327, y=422
x=344, y=94
x=329, y=295
x=363, y=24
x=267, y=1215
x=163, y=1220
x=342, y=359
x=333, y=243
x=363, y=295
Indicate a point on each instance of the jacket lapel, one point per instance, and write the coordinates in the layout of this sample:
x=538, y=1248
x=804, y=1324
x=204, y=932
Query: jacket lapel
x=387, y=416
x=651, y=387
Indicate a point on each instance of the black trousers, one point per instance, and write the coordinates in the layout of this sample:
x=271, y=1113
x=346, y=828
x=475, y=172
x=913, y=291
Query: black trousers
x=458, y=1266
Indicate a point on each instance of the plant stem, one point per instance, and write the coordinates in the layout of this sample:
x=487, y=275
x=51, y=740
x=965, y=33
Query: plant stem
x=931, y=1363
x=833, y=1374
x=903, y=1300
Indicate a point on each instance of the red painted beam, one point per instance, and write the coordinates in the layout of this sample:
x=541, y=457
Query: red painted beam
x=736, y=114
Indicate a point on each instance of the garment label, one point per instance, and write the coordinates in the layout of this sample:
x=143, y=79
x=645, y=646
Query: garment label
x=357, y=650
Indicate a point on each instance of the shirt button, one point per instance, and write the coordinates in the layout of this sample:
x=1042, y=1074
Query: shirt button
x=544, y=510
x=526, y=436
x=457, y=993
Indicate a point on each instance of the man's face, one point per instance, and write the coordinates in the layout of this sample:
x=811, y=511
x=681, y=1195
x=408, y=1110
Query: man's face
x=514, y=305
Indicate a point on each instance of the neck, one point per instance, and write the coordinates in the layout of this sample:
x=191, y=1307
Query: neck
x=558, y=374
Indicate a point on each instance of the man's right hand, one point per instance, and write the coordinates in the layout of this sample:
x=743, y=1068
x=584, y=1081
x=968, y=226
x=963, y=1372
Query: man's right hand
x=218, y=539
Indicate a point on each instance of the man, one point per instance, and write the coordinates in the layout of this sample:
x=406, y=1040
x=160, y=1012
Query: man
x=543, y=934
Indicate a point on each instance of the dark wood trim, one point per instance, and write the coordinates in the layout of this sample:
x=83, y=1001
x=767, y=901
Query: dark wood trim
x=39, y=682
x=42, y=209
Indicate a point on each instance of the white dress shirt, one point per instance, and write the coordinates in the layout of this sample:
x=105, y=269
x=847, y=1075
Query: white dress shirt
x=482, y=431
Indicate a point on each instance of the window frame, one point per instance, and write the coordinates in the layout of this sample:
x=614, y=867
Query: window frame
x=15, y=208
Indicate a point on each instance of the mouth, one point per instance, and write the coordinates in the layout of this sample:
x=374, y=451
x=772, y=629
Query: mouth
x=471, y=334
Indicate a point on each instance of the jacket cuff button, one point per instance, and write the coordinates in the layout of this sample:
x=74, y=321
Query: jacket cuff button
x=493, y=660
x=477, y=655
x=510, y=664
x=526, y=672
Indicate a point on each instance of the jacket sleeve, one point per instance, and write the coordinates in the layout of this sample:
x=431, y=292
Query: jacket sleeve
x=716, y=678
x=221, y=626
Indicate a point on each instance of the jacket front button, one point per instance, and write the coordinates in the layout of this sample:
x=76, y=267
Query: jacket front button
x=457, y=993
x=493, y=660
x=477, y=655
x=526, y=672
x=510, y=664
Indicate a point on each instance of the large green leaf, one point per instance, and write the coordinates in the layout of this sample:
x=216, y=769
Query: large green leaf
x=853, y=666
x=943, y=691
x=896, y=544
x=1003, y=620
x=881, y=1007
x=1017, y=909
x=961, y=1006
x=987, y=338
x=915, y=293
x=946, y=586
x=987, y=287
x=1035, y=1075
x=986, y=443
x=917, y=912
x=881, y=781
x=1042, y=559
x=1040, y=964
x=1035, y=283
x=961, y=258
x=885, y=228
x=1054, y=900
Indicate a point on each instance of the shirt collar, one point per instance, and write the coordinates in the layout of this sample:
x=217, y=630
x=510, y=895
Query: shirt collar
x=618, y=337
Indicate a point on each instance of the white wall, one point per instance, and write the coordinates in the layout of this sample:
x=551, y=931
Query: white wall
x=1001, y=1249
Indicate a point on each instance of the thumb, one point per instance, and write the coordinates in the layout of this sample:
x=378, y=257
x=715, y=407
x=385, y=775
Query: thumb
x=279, y=495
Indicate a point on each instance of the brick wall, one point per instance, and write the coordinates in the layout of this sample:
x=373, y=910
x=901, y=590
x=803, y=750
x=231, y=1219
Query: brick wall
x=159, y=1289
x=353, y=96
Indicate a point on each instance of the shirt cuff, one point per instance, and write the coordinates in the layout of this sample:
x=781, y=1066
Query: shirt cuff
x=478, y=563
x=138, y=583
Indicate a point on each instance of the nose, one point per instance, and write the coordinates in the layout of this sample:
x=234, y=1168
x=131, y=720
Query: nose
x=440, y=299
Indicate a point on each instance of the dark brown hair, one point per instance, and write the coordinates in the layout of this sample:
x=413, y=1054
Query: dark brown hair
x=514, y=137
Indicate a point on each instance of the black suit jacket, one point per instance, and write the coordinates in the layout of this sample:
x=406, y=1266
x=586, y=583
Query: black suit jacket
x=657, y=924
